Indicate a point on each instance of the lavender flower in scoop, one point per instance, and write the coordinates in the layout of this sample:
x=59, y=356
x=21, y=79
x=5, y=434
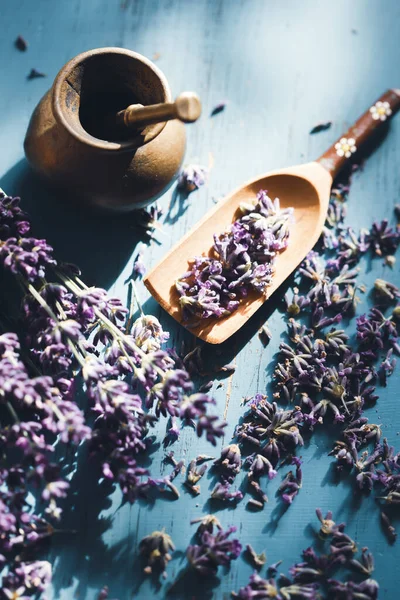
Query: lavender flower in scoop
x=241, y=260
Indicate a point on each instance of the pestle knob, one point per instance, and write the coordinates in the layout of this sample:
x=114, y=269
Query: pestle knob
x=186, y=108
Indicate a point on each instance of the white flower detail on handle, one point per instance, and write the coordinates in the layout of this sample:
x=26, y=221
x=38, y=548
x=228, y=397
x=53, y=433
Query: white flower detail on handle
x=380, y=111
x=346, y=147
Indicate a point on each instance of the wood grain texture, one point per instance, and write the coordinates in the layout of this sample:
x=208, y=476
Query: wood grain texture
x=286, y=66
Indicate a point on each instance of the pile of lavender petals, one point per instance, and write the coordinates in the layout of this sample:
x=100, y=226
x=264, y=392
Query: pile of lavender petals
x=241, y=259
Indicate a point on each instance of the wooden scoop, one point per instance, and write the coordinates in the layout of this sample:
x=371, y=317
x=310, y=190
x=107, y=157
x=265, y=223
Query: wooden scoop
x=305, y=187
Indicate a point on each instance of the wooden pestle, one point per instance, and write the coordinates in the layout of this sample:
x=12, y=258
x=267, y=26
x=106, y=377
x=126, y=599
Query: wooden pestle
x=186, y=108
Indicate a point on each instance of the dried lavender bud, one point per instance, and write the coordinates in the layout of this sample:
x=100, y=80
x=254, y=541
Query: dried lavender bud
x=139, y=268
x=228, y=369
x=383, y=239
x=192, y=177
x=260, y=465
x=203, y=458
x=265, y=334
x=193, y=361
x=230, y=462
x=385, y=290
x=396, y=312
x=388, y=527
x=222, y=491
x=193, y=475
x=21, y=43
x=328, y=526
x=213, y=551
x=259, y=588
x=156, y=550
x=273, y=569
x=206, y=387
x=321, y=127
x=252, y=503
x=179, y=467
x=366, y=590
x=35, y=74
x=342, y=546
x=365, y=565
x=256, y=488
x=149, y=219
x=390, y=261
x=207, y=523
x=257, y=560
x=218, y=108
x=292, y=483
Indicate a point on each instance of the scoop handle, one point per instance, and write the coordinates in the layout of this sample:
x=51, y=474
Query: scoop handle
x=186, y=108
x=348, y=144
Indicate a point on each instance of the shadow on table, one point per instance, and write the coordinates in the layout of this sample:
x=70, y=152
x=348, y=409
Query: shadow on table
x=99, y=243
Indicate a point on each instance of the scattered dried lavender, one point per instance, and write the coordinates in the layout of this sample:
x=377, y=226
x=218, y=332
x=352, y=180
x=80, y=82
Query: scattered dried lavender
x=192, y=177
x=214, y=548
x=313, y=577
x=327, y=378
x=21, y=44
x=257, y=560
x=139, y=268
x=156, y=550
x=148, y=220
x=265, y=334
x=321, y=127
x=196, y=470
x=241, y=260
x=35, y=74
x=218, y=108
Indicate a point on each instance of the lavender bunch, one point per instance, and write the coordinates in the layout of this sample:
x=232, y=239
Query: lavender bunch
x=130, y=382
x=241, y=260
x=37, y=415
x=75, y=326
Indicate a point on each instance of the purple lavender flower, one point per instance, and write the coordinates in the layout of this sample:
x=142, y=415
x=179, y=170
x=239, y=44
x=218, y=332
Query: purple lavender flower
x=139, y=268
x=28, y=257
x=222, y=491
x=292, y=483
x=260, y=465
x=13, y=220
x=193, y=476
x=366, y=590
x=258, y=560
x=386, y=291
x=156, y=550
x=229, y=462
x=258, y=588
x=214, y=550
x=192, y=177
x=383, y=239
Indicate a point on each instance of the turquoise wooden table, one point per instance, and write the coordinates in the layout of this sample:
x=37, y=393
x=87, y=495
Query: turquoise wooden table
x=281, y=67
